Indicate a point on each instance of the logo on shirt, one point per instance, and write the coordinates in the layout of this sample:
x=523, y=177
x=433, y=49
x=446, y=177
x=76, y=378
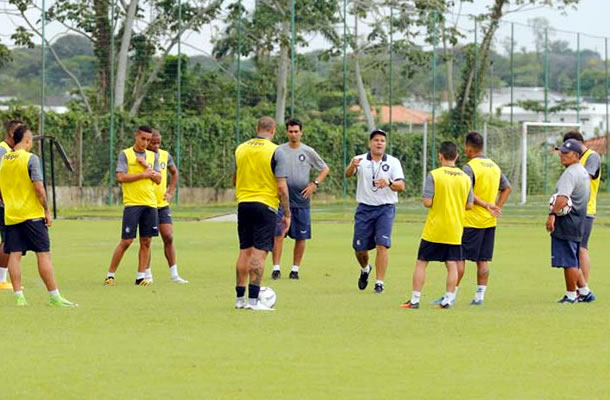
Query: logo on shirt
x=302, y=157
x=385, y=167
x=162, y=165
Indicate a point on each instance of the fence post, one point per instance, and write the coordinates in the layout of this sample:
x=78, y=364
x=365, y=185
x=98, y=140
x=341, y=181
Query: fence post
x=425, y=155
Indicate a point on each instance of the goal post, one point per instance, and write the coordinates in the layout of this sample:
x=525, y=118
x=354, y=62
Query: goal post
x=525, y=131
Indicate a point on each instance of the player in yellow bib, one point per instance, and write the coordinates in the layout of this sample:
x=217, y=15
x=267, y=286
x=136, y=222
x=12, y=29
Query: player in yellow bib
x=593, y=164
x=260, y=186
x=138, y=172
x=491, y=190
x=164, y=195
x=448, y=194
x=6, y=146
x=27, y=216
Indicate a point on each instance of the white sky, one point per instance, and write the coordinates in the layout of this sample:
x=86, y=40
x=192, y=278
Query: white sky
x=589, y=18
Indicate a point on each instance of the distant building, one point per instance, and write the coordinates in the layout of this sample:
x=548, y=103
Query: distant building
x=400, y=115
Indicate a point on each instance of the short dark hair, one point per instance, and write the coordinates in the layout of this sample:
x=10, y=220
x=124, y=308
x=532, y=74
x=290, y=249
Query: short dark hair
x=265, y=124
x=474, y=140
x=145, y=128
x=294, y=122
x=573, y=135
x=155, y=132
x=20, y=133
x=448, y=150
x=11, y=125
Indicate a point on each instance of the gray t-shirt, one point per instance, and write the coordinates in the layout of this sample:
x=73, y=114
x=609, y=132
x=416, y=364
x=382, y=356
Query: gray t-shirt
x=593, y=165
x=121, y=165
x=429, y=189
x=298, y=163
x=573, y=183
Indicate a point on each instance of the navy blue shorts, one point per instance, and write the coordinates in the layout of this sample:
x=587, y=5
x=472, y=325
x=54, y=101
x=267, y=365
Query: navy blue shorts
x=30, y=235
x=147, y=218
x=300, y=223
x=478, y=244
x=431, y=251
x=373, y=226
x=564, y=253
x=165, y=215
x=2, y=225
x=256, y=225
x=587, y=234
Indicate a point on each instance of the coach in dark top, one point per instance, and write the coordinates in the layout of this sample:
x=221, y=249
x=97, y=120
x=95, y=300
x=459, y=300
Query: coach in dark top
x=567, y=231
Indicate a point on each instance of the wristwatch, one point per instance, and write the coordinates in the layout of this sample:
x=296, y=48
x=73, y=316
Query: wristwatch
x=316, y=182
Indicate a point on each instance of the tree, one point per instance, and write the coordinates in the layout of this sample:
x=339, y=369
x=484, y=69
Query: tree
x=5, y=55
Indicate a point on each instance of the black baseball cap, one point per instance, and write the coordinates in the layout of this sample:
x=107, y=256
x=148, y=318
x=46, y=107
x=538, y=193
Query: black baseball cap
x=570, y=145
x=377, y=132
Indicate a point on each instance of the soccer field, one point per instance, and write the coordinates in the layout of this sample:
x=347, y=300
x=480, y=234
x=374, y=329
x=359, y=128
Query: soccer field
x=326, y=339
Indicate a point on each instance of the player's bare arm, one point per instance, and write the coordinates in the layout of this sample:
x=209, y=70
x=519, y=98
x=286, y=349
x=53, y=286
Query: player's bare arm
x=282, y=188
x=123, y=177
x=42, y=197
x=427, y=202
x=353, y=166
x=313, y=186
x=560, y=203
x=493, y=209
x=503, y=196
x=173, y=182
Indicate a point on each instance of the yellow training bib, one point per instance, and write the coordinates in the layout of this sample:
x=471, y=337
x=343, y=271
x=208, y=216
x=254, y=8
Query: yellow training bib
x=486, y=185
x=445, y=221
x=592, y=205
x=255, y=177
x=141, y=192
x=161, y=188
x=20, y=200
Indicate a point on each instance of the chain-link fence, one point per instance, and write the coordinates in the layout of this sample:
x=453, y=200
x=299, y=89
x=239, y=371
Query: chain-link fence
x=88, y=73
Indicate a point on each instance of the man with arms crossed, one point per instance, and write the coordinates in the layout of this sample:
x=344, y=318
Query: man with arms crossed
x=164, y=196
x=448, y=194
x=27, y=216
x=480, y=223
x=300, y=159
x=6, y=146
x=138, y=172
x=567, y=231
x=593, y=164
x=259, y=178
x=380, y=178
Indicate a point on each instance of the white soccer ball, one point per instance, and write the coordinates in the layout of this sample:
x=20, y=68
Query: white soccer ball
x=267, y=296
x=565, y=210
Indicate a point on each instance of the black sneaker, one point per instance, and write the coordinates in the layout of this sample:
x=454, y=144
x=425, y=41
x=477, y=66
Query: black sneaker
x=566, y=300
x=276, y=274
x=378, y=288
x=590, y=298
x=294, y=275
x=363, y=281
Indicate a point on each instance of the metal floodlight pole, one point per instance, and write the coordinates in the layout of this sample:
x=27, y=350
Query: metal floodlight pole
x=578, y=77
x=425, y=156
x=292, y=53
x=111, y=141
x=512, y=75
x=476, y=74
x=344, y=96
x=391, y=93
x=546, y=74
x=53, y=180
x=434, y=40
x=43, y=61
x=179, y=99
x=238, y=92
x=607, y=114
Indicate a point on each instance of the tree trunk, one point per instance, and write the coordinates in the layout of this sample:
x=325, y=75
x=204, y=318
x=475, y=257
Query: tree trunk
x=102, y=36
x=362, y=98
x=282, y=75
x=121, y=73
x=449, y=61
x=79, y=135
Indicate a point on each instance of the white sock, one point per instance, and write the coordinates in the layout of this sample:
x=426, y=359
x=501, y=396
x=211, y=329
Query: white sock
x=252, y=301
x=110, y=275
x=571, y=295
x=415, y=297
x=276, y=267
x=141, y=275
x=378, y=282
x=242, y=298
x=479, y=295
x=3, y=274
x=455, y=291
x=448, y=298
x=173, y=270
x=295, y=268
x=583, y=291
x=18, y=293
x=366, y=269
x=148, y=272
x=54, y=292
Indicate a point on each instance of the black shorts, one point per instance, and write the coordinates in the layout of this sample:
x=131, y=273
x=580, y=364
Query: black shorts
x=143, y=216
x=165, y=215
x=430, y=251
x=2, y=225
x=587, y=234
x=30, y=235
x=478, y=244
x=256, y=225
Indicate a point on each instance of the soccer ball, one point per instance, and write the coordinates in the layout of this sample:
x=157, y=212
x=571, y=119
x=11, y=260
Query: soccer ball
x=565, y=210
x=267, y=296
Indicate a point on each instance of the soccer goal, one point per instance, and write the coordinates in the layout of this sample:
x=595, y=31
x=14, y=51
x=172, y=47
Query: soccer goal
x=537, y=141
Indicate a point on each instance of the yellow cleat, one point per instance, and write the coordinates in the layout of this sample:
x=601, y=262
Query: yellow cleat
x=109, y=281
x=6, y=285
x=143, y=282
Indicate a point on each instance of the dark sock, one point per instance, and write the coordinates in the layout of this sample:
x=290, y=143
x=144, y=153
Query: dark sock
x=240, y=291
x=253, y=291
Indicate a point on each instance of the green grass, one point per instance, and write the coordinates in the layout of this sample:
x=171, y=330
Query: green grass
x=327, y=339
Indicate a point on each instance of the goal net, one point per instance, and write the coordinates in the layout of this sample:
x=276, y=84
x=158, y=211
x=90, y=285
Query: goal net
x=526, y=155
